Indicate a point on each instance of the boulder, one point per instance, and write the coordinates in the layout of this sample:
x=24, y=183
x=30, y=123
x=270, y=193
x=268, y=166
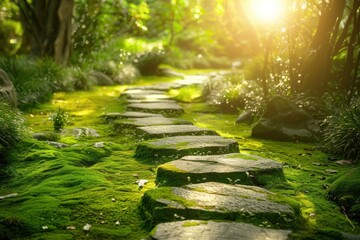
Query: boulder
x=101, y=79
x=80, y=132
x=284, y=121
x=7, y=89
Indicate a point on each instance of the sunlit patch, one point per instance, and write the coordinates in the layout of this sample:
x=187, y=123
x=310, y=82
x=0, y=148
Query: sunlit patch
x=267, y=10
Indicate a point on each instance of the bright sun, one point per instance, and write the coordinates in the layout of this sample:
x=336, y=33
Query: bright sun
x=267, y=11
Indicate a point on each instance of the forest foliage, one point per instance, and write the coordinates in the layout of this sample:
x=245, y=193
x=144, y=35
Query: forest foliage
x=310, y=52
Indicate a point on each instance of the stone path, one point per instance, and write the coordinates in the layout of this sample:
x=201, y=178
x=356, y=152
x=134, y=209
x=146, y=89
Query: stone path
x=203, y=176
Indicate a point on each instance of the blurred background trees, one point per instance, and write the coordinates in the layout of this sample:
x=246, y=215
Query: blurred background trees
x=304, y=50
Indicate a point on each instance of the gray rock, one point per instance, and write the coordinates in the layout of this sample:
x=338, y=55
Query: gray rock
x=117, y=115
x=192, y=80
x=80, y=132
x=136, y=93
x=7, y=89
x=163, y=86
x=150, y=100
x=219, y=201
x=101, y=79
x=208, y=230
x=58, y=144
x=228, y=168
x=172, y=130
x=282, y=120
x=168, y=109
x=245, y=117
x=147, y=121
x=171, y=148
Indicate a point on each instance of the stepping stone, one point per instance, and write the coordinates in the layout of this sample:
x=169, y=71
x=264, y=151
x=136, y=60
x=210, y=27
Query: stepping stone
x=144, y=94
x=169, y=109
x=172, y=130
x=219, y=201
x=148, y=121
x=150, y=101
x=228, y=168
x=162, y=86
x=171, y=148
x=205, y=230
x=192, y=80
x=117, y=115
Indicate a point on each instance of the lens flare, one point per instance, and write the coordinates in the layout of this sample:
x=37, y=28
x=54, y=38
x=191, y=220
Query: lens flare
x=267, y=11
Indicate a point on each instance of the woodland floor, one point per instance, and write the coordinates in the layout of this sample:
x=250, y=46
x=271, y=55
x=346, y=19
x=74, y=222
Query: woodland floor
x=71, y=187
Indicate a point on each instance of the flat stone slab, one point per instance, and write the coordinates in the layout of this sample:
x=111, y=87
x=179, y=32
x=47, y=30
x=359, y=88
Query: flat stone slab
x=228, y=168
x=149, y=100
x=144, y=94
x=218, y=201
x=205, y=230
x=172, y=130
x=162, y=86
x=118, y=115
x=192, y=80
x=171, y=148
x=148, y=121
x=169, y=109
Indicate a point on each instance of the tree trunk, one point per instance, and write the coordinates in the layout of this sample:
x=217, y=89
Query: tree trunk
x=48, y=22
x=318, y=62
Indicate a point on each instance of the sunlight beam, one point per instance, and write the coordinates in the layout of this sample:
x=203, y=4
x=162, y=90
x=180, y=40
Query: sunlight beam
x=267, y=11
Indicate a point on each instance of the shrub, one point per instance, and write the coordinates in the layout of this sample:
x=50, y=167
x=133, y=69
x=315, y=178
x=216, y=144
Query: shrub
x=11, y=128
x=148, y=62
x=60, y=118
x=233, y=93
x=34, y=81
x=341, y=129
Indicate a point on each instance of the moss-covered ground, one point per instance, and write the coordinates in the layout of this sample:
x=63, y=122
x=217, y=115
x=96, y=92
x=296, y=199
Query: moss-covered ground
x=61, y=190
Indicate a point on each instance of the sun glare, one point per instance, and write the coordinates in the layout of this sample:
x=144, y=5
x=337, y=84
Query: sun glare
x=267, y=11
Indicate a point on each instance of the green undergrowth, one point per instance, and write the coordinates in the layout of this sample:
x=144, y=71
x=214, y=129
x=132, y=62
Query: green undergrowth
x=61, y=188
x=305, y=169
x=66, y=188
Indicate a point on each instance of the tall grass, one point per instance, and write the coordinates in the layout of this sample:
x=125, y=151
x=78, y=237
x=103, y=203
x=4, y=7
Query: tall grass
x=34, y=80
x=12, y=128
x=341, y=129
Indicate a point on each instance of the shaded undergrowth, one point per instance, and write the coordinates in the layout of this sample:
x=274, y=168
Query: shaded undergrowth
x=61, y=190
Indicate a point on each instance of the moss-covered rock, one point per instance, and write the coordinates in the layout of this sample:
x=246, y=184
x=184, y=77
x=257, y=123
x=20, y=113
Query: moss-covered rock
x=346, y=192
x=218, y=201
x=228, y=168
x=171, y=148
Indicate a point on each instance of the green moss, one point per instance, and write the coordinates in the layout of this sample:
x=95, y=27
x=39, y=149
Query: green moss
x=192, y=223
x=186, y=94
x=346, y=191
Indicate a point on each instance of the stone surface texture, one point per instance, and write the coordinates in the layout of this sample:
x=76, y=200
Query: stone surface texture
x=118, y=115
x=217, y=201
x=179, y=146
x=166, y=108
x=282, y=120
x=210, y=230
x=227, y=168
x=172, y=130
x=148, y=121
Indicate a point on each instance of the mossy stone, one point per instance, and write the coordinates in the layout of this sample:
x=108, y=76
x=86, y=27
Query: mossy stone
x=346, y=191
x=227, y=168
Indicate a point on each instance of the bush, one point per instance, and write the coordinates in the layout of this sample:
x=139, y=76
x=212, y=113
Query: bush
x=34, y=81
x=233, y=93
x=341, y=129
x=148, y=62
x=11, y=128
